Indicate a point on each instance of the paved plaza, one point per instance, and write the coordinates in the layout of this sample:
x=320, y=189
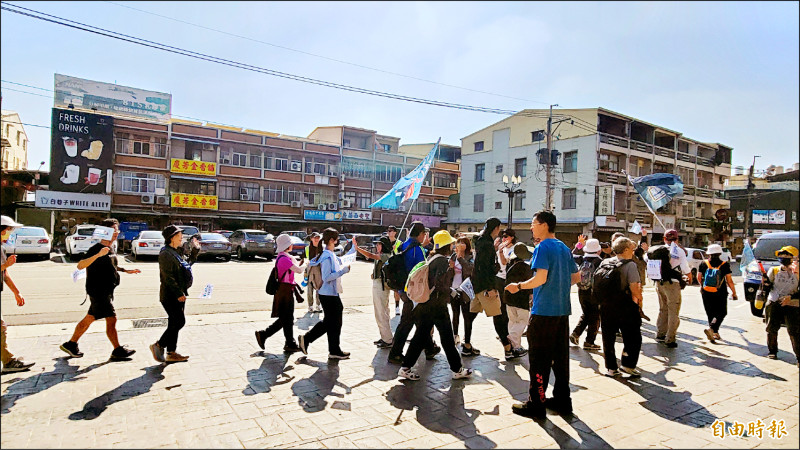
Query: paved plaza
x=230, y=394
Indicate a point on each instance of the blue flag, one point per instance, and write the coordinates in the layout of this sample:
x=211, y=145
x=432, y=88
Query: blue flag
x=747, y=255
x=657, y=189
x=408, y=187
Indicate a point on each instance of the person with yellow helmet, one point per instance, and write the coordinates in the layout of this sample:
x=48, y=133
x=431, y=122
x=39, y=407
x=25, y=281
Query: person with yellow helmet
x=434, y=313
x=784, y=283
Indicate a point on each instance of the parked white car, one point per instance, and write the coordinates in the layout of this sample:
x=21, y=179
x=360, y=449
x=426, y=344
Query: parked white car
x=79, y=240
x=147, y=243
x=695, y=257
x=29, y=241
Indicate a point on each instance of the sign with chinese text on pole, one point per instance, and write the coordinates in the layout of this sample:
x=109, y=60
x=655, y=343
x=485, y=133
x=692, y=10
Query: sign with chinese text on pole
x=357, y=215
x=605, y=200
x=196, y=201
x=191, y=167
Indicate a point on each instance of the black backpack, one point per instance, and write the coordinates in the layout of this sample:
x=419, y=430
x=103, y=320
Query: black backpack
x=661, y=253
x=273, y=282
x=394, y=272
x=607, y=283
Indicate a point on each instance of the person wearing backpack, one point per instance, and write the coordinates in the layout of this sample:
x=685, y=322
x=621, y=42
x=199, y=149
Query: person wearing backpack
x=784, y=281
x=518, y=304
x=432, y=312
x=713, y=275
x=673, y=267
x=380, y=292
x=618, y=288
x=590, y=319
x=313, y=250
x=412, y=253
x=332, y=271
x=283, y=299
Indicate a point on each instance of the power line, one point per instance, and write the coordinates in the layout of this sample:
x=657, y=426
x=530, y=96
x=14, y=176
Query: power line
x=26, y=124
x=25, y=92
x=222, y=61
x=323, y=56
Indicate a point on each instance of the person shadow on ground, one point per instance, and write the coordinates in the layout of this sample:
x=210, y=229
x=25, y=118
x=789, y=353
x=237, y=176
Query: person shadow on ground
x=271, y=373
x=62, y=371
x=312, y=392
x=127, y=390
x=308, y=320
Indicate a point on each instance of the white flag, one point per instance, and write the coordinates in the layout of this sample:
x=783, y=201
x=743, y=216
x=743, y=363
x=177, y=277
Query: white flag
x=349, y=258
x=468, y=289
x=207, y=290
x=636, y=228
x=78, y=274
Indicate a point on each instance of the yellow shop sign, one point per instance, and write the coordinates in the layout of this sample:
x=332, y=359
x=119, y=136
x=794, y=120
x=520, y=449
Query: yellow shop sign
x=191, y=167
x=194, y=201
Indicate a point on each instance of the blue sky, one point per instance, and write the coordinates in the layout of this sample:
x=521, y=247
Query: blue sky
x=717, y=72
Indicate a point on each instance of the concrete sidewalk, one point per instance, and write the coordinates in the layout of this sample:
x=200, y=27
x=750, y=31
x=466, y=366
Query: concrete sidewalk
x=232, y=395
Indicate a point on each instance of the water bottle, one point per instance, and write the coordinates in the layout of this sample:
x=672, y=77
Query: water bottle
x=305, y=282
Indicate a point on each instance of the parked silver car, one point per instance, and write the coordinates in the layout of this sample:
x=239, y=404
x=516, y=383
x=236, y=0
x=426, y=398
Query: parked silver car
x=214, y=245
x=248, y=243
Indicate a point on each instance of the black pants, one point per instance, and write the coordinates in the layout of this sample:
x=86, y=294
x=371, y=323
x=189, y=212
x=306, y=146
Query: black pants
x=548, y=348
x=716, y=305
x=776, y=314
x=285, y=322
x=331, y=324
x=404, y=328
x=625, y=318
x=501, y=320
x=590, y=319
x=461, y=308
x=425, y=317
x=176, y=320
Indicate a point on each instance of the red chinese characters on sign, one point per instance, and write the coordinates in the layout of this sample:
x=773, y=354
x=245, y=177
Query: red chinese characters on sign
x=198, y=201
x=191, y=167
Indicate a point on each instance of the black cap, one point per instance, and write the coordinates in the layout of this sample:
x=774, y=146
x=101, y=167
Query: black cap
x=391, y=228
x=170, y=231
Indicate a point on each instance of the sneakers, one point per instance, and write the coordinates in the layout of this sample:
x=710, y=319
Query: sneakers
x=661, y=338
x=562, y=407
x=397, y=310
x=341, y=355
x=395, y=359
x=672, y=345
x=310, y=309
x=16, y=365
x=573, y=339
x=512, y=354
x=432, y=355
x=291, y=348
x=528, y=410
x=380, y=343
x=612, y=372
x=521, y=351
x=158, y=352
x=710, y=335
x=772, y=356
x=302, y=343
x=318, y=310
x=716, y=336
x=463, y=373
x=121, y=353
x=632, y=372
x=261, y=338
x=471, y=351
x=408, y=373
x=590, y=346
x=71, y=348
x=175, y=357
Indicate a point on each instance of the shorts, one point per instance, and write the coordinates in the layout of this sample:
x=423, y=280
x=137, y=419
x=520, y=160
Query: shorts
x=485, y=302
x=101, y=306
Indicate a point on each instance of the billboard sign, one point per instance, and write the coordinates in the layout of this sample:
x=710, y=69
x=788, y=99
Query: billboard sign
x=72, y=200
x=769, y=216
x=315, y=214
x=196, y=201
x=193, y=167
x=357, y=215
x=605, y=200
x=81, y=152
x=112, y=98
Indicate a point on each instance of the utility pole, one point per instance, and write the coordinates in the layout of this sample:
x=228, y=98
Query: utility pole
x=548, y=158
x=748, y=218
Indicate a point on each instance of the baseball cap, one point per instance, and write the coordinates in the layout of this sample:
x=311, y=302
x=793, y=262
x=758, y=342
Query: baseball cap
x=671, y=235
x=9, y=222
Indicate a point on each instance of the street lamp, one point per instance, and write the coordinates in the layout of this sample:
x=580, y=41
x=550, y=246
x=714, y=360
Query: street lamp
x=511, y=190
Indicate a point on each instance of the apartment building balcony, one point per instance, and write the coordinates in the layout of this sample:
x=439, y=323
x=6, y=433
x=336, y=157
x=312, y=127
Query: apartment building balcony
x=685, y=157
x=642, y=147
x=703, y=192
x=613, y=140
x=705, y=161
x=607, y=176
x=664, y=152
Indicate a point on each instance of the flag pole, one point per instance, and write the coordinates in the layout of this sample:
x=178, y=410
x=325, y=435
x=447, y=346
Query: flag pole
x=438, y=150
x=655, y=216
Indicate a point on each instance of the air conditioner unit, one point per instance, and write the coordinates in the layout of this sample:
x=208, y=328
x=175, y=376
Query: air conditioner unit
x=296, y=166
x=344, y=203
x=322, y=207
x=427, y=183
x=401, y=208
x=341, y=195
x=452, y=185
x=295, y=204
x=148, y=199
x=245, y=196
x=332, y=206
x=683, y=226
x=162, y=200
x=224, y=161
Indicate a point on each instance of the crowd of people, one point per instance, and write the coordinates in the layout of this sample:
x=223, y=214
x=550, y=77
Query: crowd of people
x=526, y=293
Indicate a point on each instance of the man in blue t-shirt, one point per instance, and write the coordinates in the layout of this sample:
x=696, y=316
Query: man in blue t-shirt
x=548, y=328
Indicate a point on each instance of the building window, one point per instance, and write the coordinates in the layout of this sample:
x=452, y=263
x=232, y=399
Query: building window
x=440, y=207
x=477, y=204
x=355, y=168
x=479, y=172
x=570, y=162
x=281, y=163
x=537, y=136
x=192, y=186
x=239, y=190
x=138, y=182
x=194, y=151
x=498, y=168
x=280, y=195
x=346, y=142
x=363, y=200
x=479, y=146
x=445, y=180
x=19, y=133
x=521, y=167
x=387, y=148
x=255, y=159
x=568, y=198
x=239, y=159
x=498, y=205
x=140, y=145
x=519, y=202
x=608, y=162
x=424, y=205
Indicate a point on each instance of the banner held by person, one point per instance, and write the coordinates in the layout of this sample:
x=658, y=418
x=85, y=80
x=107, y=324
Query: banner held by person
x=656, y=190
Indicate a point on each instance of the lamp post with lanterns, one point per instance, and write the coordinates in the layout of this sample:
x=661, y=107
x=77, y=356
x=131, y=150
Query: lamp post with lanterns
x=512, y=190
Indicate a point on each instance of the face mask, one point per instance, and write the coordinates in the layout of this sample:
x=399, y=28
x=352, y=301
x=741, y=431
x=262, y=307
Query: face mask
x=785, y=261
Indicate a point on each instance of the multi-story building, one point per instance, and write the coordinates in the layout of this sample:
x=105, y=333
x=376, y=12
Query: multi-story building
x=14, y=148
x=591, y=149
